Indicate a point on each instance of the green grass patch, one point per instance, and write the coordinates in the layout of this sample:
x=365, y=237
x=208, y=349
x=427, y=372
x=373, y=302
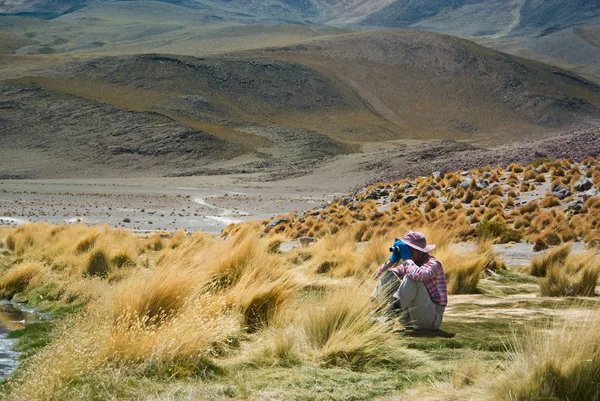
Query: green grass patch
x=481, y=335
x=31, y=338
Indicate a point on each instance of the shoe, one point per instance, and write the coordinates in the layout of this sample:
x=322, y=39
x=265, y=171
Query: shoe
x=394, y=310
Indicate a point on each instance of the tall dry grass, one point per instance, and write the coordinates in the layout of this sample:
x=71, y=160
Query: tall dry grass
x=539, y=266
x=559, y=363
x=18, y=278
x=464, y=270
x=340, y=331
x=169, y=320
x=576, y=275
x=335, y=254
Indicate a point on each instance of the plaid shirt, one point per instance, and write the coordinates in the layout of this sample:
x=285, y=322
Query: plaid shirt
x=430, y=273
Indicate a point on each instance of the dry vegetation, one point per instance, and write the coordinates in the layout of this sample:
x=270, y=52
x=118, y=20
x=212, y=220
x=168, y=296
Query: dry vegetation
x=191, y=316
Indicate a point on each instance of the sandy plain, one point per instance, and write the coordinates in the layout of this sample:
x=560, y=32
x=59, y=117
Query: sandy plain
x=146, y=205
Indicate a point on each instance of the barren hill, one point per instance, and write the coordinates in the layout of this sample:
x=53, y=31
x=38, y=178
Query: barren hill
x=559, y=32
x=283, y=109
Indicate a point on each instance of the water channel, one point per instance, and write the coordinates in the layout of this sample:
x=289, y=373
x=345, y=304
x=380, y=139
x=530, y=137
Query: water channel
x=11, y=318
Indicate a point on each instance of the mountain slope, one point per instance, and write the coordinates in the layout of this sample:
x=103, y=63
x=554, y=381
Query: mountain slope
x=282, y=111
x=486, y=17
x=436, y=85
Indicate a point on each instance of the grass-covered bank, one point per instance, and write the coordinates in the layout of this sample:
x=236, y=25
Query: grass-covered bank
x=192, y=316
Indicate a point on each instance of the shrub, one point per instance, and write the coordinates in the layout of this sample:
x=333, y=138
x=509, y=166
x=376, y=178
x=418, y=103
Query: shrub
x=529, y=208
x=529, y=175
x=515, y=168
x=335, y=254
x=552, y=239
x=538, y=161
x=121, y=259
x=260, y=303
x=154, y=298
x=498, y=230
x=10, y=243
x=431, y=204
x=97, y=264
x=155, y=243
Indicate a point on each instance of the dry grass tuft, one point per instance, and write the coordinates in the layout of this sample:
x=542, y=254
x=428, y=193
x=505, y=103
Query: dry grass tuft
x=335, y=254
x=464, y=269
x=539, y=266
x=339, y=331
x=86, y=243
x=17, y=279
x=576, y=276
x=556, y=364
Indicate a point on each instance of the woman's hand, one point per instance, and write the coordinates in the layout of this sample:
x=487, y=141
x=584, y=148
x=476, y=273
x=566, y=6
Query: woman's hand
x=380, y=270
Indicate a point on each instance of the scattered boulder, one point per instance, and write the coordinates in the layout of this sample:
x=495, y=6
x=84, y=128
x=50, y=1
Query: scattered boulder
x=437, y=174
x=346, y=201
x=306, y=240
x=560, y=192
x=409, y=198
x=277, y=222
x=373, y=195
x=481, y=184
x=466, y=182
x=590, y=194
x=575, y=206
x=583, y=184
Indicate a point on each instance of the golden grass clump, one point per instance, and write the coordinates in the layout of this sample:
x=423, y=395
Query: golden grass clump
x=339, y=331
x=97, y=264
x=464, y=269
x=576, y=276
x=539, y=266
x=529, y=175
x=549, y=201
x=432, y=204
x=153, y=297
x=559, y=363
x=17, y=278
x=86, y=242
x=335, y=254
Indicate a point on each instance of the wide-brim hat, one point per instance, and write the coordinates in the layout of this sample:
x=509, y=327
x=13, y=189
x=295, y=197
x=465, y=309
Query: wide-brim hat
x=417, y=241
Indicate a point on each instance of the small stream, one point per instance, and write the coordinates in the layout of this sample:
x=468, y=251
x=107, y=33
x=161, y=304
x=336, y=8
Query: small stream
x=11, y=318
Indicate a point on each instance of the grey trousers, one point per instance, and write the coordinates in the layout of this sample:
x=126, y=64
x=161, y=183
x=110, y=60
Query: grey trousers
x=422, y=312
